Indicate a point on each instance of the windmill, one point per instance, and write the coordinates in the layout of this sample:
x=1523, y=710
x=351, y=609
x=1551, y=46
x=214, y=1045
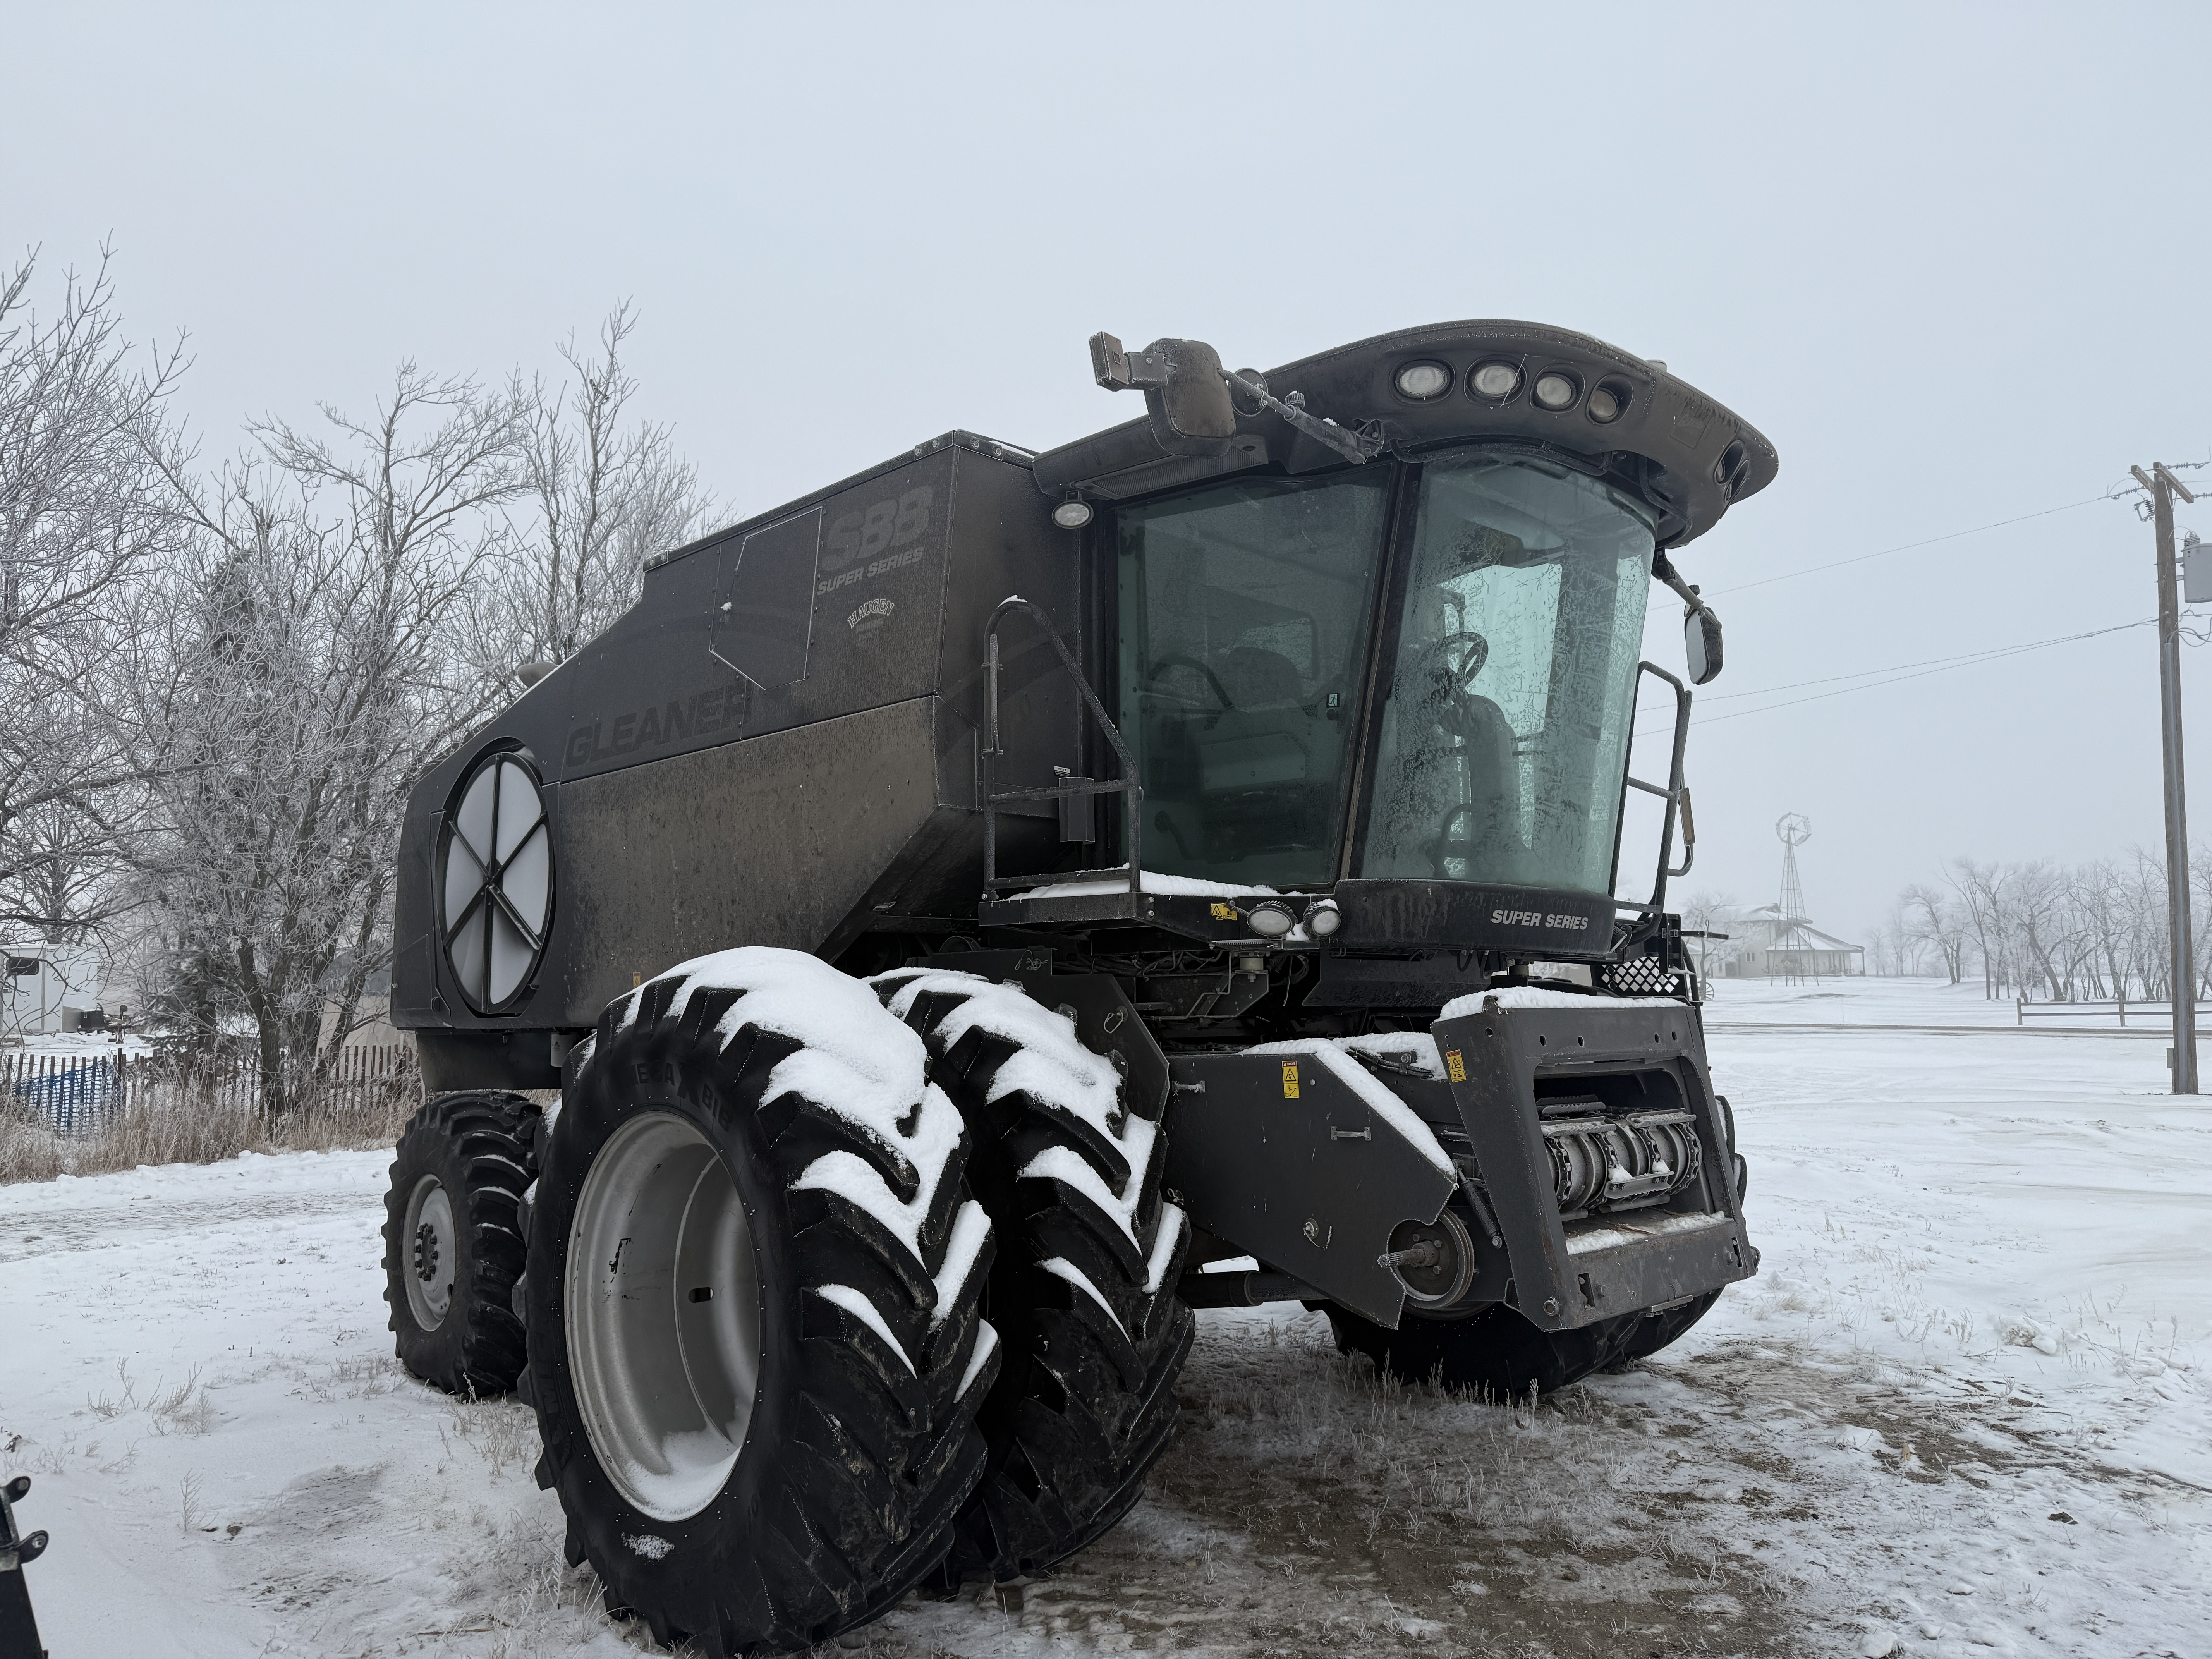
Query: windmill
x=1793, y=830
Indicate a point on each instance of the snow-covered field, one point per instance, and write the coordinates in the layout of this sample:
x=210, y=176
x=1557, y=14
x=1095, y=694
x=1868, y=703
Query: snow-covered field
x=1963, y=1408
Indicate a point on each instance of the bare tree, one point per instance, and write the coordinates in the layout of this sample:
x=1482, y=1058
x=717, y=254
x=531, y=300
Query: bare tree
x=604, y=498
x=84, y=438
x=1927, y=917
x=1707, y=912
x=302, y=668
x=1980, y=892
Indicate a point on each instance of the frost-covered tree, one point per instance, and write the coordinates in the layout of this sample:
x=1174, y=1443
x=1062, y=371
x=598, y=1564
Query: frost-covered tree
x=2096, y=931
x=600, y=497
x=1927, y=918
x=85, y=434
x=303, y=663
x=1707, y=912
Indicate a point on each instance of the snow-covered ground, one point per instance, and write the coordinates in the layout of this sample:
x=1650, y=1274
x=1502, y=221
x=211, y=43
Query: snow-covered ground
x=1963, y=1408
x=82, y=1045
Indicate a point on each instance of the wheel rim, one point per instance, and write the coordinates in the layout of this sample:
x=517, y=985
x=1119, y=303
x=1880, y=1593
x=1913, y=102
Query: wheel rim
x=427, y=1242
x=662, y=1304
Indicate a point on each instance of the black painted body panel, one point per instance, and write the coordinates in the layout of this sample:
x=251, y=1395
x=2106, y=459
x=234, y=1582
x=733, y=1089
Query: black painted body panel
x=700, y=797
x=1668, y=444
x=1311, y=1182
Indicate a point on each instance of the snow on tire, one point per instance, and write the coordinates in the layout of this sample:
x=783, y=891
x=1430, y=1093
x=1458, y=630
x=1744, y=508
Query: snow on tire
x=452, y=1241
x=754, y=1299
x=1083, y=1290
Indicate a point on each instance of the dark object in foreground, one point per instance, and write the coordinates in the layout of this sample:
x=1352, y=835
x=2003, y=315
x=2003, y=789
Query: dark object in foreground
x=19, y=1630
x=965, y=905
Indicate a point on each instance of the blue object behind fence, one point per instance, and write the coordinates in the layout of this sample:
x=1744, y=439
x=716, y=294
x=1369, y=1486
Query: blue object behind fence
x=79, y=1101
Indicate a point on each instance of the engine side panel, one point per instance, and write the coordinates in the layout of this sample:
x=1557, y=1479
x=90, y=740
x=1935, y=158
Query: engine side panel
x=768, y=841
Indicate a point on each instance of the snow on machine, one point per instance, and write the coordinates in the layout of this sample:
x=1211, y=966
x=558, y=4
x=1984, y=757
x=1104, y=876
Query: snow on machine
x=962, y=906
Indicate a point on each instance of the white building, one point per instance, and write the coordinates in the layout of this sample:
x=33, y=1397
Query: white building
x=1767, y=945
x=47, y=987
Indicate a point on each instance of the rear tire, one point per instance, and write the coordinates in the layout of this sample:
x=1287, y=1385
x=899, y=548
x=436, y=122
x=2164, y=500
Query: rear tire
x=1654, y=1331
x=452, y=1240
x=754, y=1300
x=1083, y=1292
x=1496, y=1351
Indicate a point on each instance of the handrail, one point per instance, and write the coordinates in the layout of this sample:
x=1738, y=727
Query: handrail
x=1676, y=794
x=1127, y=786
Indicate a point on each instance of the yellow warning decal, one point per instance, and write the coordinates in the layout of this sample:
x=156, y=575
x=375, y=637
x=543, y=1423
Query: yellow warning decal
x=1289, y=1079
x=1224, y=912
x=1455, y=1066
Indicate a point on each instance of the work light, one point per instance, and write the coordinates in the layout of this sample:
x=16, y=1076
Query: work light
x=1499, y=380
x=1424, y=381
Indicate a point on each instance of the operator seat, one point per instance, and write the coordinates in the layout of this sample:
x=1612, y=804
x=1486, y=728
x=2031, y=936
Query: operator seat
x=1257, y=679
x=1487, y=830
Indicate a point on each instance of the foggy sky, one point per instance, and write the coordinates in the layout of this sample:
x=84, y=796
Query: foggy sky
x=1949, y=259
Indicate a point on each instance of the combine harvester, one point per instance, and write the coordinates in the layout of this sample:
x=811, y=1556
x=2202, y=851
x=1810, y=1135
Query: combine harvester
x=960, y=905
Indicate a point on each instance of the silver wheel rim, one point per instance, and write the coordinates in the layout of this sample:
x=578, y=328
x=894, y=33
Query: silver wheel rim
x=426, y=1243
x=663, y=1300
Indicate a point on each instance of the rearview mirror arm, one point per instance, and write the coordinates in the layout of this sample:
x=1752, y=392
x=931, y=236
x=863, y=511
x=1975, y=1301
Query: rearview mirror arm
x=1664, y=571
x=1358, y=446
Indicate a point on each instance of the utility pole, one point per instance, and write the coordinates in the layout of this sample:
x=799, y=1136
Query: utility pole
x=2164, y=487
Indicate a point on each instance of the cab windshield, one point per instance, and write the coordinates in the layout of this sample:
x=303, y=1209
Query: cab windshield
x=1245, y=611
x=1505, y=737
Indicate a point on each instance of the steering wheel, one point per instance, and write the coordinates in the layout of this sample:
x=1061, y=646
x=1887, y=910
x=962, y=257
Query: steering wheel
x=1434, y=662
x=1178, y=660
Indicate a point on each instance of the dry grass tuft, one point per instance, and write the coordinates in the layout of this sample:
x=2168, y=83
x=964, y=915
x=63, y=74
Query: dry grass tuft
x=176, y=1129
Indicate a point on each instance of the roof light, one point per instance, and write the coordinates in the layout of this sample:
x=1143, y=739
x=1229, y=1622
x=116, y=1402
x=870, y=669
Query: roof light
x=1499, y=380
x=1323, y=918
x=1072, y=515
x=1422, y=381
x=1607, y=403
x=1270, y=919
x=1556, y=391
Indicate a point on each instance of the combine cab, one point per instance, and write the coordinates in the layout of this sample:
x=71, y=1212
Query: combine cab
x=962, y=907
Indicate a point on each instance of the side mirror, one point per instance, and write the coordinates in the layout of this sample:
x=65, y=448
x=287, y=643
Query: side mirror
x=1701, y=644
x=1185, y=395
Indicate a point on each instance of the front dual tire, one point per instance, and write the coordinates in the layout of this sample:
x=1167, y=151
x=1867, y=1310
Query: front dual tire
x=754, y=1305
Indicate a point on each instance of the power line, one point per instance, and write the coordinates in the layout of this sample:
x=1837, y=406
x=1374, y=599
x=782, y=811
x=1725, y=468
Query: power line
x=1963, y=659
x=1861, y=558
x=1900, y=672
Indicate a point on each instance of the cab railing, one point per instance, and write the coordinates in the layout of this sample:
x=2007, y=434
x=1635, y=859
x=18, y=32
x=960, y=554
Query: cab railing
x=1070, y=788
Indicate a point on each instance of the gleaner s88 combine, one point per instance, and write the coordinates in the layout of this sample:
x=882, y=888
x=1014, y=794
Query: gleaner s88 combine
x=995, y=904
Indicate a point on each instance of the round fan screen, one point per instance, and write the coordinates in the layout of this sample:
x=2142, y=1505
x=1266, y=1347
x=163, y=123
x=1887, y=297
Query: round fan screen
x=496, y=883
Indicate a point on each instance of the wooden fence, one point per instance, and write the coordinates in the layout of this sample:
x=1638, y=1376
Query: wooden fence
x=83, y=1094
x=2148, y=1015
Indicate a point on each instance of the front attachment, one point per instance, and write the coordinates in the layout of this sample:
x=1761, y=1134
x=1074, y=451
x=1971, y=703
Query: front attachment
x=1593, y=1130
